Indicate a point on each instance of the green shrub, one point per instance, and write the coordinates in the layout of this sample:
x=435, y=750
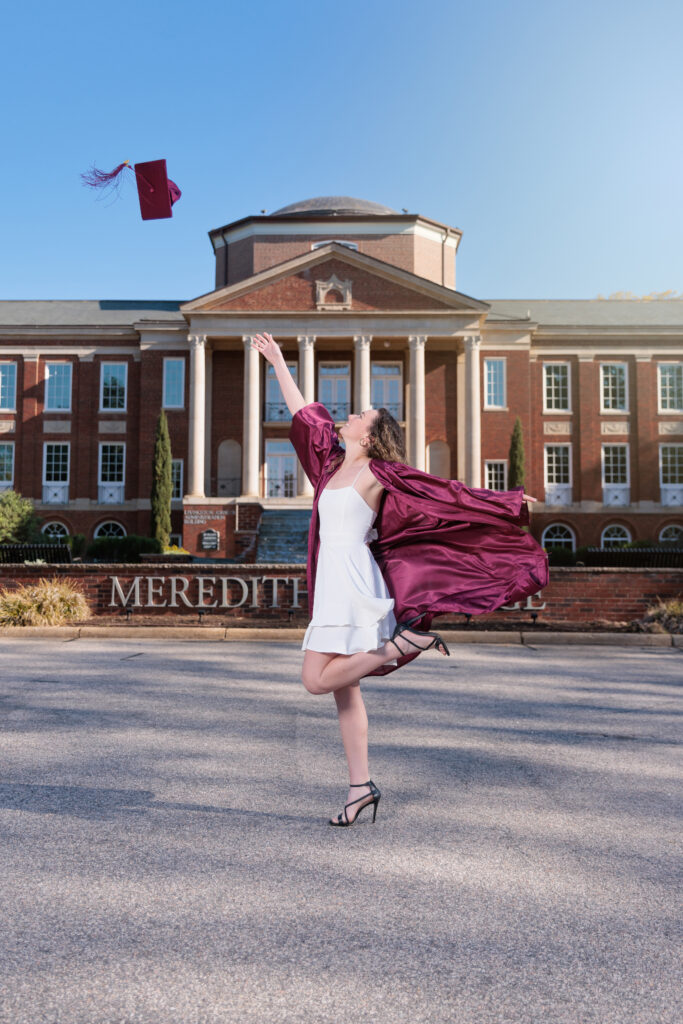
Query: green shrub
x=561, y=556
x=18, y=520
x=45, y=603
x=121, y=549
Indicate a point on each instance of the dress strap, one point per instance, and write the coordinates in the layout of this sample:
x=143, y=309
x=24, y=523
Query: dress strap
x=353, y=482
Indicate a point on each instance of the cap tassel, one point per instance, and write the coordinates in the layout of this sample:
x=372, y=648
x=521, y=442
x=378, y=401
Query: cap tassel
x=95, y=178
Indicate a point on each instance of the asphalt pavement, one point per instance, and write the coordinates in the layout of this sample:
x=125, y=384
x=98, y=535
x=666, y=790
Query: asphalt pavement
x=166, y=857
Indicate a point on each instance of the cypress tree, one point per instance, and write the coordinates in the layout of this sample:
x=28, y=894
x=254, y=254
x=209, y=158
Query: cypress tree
x=516, y=457
x=162, y=485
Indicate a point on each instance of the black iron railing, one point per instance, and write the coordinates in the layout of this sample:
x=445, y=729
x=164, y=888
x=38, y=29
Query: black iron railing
x=16, y=553
x=229, y=486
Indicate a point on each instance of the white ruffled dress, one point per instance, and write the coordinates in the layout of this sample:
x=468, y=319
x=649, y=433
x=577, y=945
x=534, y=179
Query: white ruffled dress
x=352, y=609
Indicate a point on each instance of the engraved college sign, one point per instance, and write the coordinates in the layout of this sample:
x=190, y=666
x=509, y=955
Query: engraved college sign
x=205, y=592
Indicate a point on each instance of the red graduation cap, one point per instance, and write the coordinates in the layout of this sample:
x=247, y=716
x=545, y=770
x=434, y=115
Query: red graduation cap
x=156, y=192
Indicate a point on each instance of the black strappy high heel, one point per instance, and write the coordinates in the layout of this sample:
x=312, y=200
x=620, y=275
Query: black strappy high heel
x=342, y=819
x=404, y=627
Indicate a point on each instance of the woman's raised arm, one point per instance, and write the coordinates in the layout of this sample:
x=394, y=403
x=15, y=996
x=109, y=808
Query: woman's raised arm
x=268, y=347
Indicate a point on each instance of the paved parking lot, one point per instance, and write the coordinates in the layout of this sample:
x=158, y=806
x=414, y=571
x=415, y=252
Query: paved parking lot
x=166, y=858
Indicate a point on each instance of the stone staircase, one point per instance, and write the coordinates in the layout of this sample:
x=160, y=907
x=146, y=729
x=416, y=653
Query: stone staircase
x=283, y=536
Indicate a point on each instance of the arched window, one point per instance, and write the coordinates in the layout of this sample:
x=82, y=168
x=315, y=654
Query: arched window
x=110, y=529
x=615, y=536
x=229, y=469
x=557, y=536
x=55, y=530
x=672, y=534
x=439, y=459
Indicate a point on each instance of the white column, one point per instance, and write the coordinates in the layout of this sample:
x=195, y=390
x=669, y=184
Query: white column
x=306, y=344
x=361, y=372
x=417, y=454
x=473, y=410
x=209, y=418
x=197, y=414
x=251, y=430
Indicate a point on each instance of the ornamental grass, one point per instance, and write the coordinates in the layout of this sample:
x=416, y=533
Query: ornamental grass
x=666, y=616
x=45, y=603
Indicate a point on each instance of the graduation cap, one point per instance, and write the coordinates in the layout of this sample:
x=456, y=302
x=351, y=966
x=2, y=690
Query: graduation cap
x=156, y=192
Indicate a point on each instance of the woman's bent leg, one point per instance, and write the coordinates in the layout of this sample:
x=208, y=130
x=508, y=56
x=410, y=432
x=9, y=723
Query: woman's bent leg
x=324, y=673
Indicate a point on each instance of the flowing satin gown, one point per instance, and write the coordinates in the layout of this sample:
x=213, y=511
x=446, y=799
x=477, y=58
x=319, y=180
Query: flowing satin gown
x=352, y=608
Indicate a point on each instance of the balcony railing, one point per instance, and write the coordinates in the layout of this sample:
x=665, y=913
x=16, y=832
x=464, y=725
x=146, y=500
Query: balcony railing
x=110, y=494
x=282, y=487
x=395, y=408
x=672, y=494
x=339, y=411
x=558, y=494
x=229, y=486
x=614, y=495
x=55, y=494
x=276, y=412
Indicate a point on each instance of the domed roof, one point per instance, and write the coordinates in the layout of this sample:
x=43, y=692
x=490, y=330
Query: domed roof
x=333, y=206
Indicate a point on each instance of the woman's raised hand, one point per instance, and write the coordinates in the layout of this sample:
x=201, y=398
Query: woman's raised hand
x=527, y=497
x=267, y=346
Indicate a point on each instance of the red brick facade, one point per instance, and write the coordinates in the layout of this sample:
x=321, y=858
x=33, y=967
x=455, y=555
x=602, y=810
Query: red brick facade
x=400, y=281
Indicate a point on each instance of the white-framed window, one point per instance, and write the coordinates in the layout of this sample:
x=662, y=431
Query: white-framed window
x=495, y=396
x=337, y=241
x=176, y=540
x=496, y=474
x=176, y=479
x=671, y=534
x=616, y=476
x=615, y=536
x=334, y=388
x=113, y=387
x=54, y=529
x=613, y=387
x=110, y=529
x=558, y=535
x=58, y=387
x=557, y=467
x=556, y=387
x=280, y=470
x=386, y=387
x=670, y=387
x=56, y=465
x=8, y=387
x=6, y=465
x=671, y=473
x=174, y=383
x=276, y=407
x=112, y=472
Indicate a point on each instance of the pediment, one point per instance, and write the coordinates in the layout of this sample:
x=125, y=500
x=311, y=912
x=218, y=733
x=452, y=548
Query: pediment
x=330, y=279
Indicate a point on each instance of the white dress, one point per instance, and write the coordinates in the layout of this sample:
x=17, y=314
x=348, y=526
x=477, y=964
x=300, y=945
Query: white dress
x=352, y=609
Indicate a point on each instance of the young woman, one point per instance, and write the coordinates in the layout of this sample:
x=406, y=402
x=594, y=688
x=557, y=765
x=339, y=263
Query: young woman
x=439, y=547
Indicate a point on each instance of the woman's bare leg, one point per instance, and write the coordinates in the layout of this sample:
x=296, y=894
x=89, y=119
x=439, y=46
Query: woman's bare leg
x=353, y=724
x=339, y=670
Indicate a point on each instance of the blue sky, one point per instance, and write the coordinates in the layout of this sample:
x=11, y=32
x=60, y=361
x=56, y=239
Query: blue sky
x=548, y=132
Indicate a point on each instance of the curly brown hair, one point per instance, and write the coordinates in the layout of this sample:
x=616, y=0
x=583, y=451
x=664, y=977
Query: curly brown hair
x=386, y=438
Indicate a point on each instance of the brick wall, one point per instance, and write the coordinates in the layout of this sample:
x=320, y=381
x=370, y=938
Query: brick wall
x=584, y=596
x=298, y=292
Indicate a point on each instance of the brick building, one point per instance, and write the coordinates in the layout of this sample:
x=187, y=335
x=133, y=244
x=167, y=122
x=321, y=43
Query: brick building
x=365, y=305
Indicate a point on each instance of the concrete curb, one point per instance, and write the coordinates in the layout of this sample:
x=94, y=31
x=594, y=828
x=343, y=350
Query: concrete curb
x=221, y=634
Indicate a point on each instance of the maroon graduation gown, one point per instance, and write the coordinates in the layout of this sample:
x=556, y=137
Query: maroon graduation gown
x=441, y=547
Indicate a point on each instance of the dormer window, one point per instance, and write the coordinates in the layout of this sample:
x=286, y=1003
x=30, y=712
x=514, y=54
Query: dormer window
x=337, y=241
